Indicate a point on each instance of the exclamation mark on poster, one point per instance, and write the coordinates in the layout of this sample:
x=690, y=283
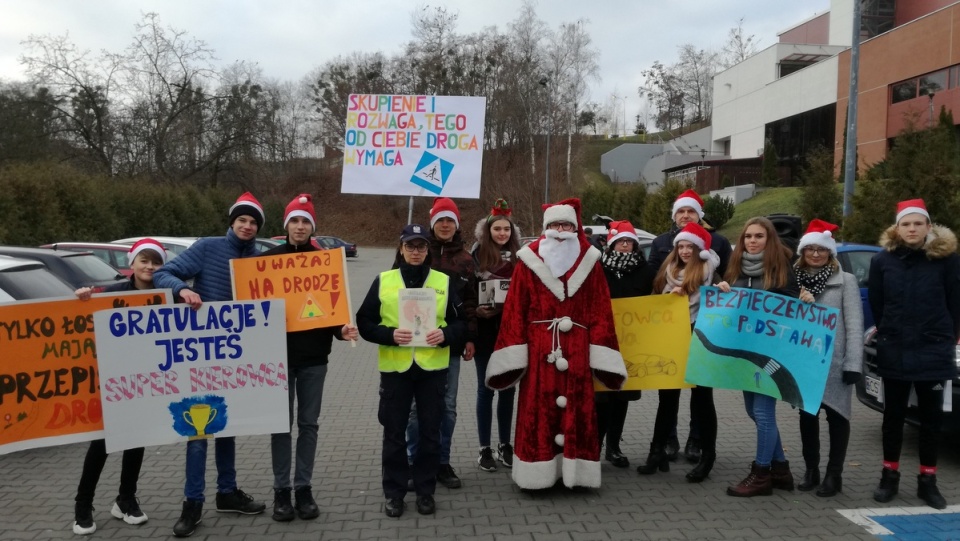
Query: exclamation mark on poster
x=266, y=312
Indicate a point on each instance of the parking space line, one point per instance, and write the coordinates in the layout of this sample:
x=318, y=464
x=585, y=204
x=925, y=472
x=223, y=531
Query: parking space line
x=864, y=517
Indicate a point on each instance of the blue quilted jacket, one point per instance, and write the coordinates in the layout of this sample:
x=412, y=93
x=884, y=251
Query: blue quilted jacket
x=208, y=263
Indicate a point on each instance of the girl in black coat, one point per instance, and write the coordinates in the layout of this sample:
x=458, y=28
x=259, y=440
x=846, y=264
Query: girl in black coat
x=628, y=275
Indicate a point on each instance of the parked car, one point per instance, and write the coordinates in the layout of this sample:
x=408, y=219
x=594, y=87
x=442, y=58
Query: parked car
x=600, y=240
x=110, y=253
x=282, y=239
x=868, y=389
x=855, y=259
x=329, y=243
x=265, y=244
x=78, y=269
x=175, y=245
x=23, y=279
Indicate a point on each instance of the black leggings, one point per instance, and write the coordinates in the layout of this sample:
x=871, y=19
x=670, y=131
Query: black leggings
x=701, y=408
x=611, y=416
x=93, y=466
x=839, y=429
x=896, y=396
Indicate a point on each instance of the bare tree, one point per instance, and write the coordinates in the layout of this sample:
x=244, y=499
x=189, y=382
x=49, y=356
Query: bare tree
x=738, y=47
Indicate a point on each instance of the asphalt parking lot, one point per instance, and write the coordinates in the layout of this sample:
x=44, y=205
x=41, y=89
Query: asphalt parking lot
x=38, y=487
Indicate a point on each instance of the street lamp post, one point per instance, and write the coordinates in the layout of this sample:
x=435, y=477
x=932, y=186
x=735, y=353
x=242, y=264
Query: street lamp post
x=545, y=82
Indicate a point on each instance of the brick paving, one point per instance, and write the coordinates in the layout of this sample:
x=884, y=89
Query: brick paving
x=38, y=486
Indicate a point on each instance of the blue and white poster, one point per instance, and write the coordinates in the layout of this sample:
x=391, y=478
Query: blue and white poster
x=413, y=145
x=754, y=340
x=170, y=373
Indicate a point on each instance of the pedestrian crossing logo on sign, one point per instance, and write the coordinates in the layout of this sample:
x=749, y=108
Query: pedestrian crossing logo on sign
x=432, y=173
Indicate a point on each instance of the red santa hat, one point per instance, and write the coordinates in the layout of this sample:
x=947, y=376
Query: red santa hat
x=621, y=230
x=146, y=244
x=301, y=205
x=444, y=207
x=247, y=205
x=911, y=206
x=690, y=199
x=696, y=234
x=567, y=210
x=819, y=233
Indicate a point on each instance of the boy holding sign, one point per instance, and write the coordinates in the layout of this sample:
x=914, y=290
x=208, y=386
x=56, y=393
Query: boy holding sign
x=208, y=263
x=144, y=258
x=307, y=353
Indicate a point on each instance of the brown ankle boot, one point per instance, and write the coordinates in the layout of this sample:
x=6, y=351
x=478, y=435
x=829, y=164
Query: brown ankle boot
x=780, y=475
x=758, y=483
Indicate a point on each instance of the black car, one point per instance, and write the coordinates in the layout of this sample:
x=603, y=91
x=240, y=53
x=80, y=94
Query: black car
x=78, y=269
x=24, y=279
x=330, y=243
x=869, y=388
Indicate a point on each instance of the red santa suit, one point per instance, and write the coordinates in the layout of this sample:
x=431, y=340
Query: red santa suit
x=556, y=336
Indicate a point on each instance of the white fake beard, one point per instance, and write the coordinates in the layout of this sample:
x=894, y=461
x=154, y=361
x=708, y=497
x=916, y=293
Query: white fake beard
x=559, y=250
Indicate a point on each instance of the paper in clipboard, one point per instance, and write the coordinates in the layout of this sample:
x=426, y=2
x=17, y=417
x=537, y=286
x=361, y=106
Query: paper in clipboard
x=418, y=313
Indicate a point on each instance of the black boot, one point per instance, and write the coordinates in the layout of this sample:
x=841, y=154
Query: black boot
x=282, y=505
x=811, y=478
x=888, y=487
x=702, y=469
x=656, y=460
x=780, y=475
x=928, y=492
x=692, y=450
x=832, y=484
x=189, y=519
x=671, y=448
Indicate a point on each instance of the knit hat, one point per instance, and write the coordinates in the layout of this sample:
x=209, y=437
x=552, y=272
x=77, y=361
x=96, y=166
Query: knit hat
x=301, y=205
x=819, y=233
x=700, y=237
x=444, y=207
x=690, y=199
x=621, y=230
x=567, y=210
x=146, y=244
x=414, y=231
x=911, y=206
x=501, y=209
x=247, y=205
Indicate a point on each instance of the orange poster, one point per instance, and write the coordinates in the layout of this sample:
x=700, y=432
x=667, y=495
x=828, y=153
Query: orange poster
x=313, y=284
x=49, y=392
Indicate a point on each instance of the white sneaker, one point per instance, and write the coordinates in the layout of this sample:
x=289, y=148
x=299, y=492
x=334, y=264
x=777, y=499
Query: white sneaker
x=128, y=510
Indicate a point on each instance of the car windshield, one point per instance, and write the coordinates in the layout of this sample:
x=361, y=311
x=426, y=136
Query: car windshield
x=32, y=283
x=92, y=267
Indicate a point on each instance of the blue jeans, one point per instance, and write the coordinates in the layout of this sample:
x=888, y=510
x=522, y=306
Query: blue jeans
x=398, y=390
x=763, y=410
x=306, y=385
x=447, y=424
x=225, y=453
x=485, y=406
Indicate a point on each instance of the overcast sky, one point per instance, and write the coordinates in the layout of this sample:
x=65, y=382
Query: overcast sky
x=289, y=38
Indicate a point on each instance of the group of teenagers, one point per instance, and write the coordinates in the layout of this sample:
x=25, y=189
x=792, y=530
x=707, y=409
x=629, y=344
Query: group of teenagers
x=551, y=359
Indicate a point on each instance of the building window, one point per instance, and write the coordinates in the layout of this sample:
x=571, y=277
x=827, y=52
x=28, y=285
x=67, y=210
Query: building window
x=904, y=91
x=954, y=77
x=933, y=82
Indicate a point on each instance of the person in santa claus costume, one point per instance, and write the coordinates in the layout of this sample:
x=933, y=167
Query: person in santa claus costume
x=557, y=336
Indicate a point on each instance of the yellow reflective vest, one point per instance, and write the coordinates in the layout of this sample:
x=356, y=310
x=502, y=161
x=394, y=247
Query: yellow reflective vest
x=400, y=359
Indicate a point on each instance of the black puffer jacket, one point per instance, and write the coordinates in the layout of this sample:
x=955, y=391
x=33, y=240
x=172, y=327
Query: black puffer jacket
x=915, y=297
x=312, y=347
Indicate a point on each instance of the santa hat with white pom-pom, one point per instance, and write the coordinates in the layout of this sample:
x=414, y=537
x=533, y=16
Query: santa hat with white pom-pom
x=696, y=234
x=302, y=205
x=819, y=233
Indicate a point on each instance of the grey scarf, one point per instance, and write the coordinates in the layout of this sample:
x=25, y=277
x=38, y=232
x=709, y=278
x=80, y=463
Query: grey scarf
x=752, y=264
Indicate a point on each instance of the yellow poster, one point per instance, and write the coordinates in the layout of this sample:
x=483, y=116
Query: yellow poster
x=314, y=285
x=654, y=337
